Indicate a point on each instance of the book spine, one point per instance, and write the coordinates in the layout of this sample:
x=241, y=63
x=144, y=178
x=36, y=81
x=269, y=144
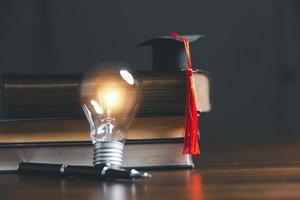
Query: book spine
x=23, y=96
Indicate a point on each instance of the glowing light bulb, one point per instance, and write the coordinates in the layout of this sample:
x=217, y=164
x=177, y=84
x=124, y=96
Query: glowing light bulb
x=109, y=97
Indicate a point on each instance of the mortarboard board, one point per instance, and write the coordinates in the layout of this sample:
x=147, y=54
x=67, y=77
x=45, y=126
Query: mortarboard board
x=168, y=53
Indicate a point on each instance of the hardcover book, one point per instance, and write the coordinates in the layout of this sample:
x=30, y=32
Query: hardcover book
x=154, y=142
x=33, y=96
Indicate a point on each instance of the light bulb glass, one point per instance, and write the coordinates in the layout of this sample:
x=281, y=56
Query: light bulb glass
x=109, y=97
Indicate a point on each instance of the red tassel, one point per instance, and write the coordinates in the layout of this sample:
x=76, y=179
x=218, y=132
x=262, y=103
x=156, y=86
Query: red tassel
x=191, y=145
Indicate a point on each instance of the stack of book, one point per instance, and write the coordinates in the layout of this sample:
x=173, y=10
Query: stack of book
x=41, y=121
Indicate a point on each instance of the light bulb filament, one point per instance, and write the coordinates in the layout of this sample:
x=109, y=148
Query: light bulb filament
x=111, y=98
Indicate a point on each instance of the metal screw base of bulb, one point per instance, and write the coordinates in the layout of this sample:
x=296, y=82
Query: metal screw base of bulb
x=108, y=153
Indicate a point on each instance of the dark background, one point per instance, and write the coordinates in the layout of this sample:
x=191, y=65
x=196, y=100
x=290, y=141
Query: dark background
x=251, y=49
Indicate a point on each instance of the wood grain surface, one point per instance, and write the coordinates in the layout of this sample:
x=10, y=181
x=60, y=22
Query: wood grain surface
x=251, y=170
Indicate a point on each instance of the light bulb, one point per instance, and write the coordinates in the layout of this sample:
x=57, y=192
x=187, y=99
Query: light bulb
x=109, y=97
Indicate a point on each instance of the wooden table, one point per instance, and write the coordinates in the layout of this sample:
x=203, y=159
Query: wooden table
x=224, y=171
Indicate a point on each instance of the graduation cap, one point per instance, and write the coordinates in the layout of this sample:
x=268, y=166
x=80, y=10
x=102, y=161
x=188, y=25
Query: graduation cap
x=172, y=53
x=168, y=53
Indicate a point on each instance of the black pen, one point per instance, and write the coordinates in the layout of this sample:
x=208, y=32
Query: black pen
x=95, y=172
